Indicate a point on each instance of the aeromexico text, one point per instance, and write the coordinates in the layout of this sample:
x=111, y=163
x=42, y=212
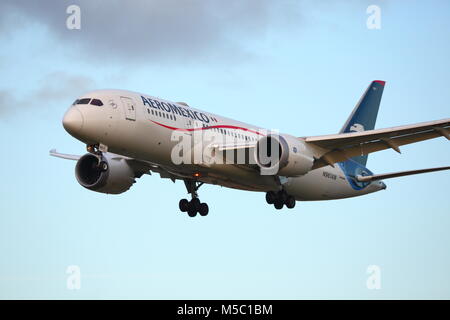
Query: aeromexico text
x=170, y=107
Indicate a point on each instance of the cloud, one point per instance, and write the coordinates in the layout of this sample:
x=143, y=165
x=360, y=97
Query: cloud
x=6, y=99
x=59, y=85
x=56, y=87
x=155, y=30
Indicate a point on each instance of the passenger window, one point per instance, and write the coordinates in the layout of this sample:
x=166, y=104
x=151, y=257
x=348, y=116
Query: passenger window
x=97, y=102
x=84, y=101
x=175, y=119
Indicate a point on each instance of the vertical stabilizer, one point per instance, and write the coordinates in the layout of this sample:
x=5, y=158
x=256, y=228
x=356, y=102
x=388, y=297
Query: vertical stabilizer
x=364, y=116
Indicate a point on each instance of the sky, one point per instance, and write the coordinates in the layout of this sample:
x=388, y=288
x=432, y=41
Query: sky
x=297, y=66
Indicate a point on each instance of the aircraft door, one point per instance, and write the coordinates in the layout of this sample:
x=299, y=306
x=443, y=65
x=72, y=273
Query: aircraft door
x=129, y=107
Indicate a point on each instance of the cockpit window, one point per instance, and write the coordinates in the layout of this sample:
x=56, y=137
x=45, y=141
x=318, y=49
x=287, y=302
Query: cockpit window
x=84, y=101
x=75, y=102
x=96, y=102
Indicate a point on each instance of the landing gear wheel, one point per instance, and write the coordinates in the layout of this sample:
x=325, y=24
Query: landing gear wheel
x=192, y=212
x=278, y=204
x=290, y=202
x=195, y=203
x=271, y=197
x=183, y=205
x=203, y=210
x=282, y=196
x=194, y=206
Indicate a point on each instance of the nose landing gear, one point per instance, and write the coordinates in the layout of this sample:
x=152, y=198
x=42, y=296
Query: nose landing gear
x=279, y=199
x=194, y=206
x=96, y=150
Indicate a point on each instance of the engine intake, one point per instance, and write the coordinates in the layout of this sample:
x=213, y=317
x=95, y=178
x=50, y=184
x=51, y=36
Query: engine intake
x=283, y=155
x=109, y=174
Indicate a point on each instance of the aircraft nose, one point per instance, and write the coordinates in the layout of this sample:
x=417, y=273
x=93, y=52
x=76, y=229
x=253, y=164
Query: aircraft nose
x=73, y=120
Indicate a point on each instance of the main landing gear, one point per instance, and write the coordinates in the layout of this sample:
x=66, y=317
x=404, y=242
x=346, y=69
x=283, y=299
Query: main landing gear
x=279, y=199
x=194, y=206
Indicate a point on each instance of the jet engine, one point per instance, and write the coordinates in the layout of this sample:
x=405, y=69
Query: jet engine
x=105, y=173
x=283, y=155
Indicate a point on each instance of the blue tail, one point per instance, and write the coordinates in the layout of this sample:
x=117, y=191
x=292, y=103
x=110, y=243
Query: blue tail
x=365, y=113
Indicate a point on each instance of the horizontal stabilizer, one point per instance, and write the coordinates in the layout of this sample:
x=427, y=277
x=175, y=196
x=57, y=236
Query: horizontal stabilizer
x=397, y=174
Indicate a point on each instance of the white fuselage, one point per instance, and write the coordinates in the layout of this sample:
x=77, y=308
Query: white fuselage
x=141, y=126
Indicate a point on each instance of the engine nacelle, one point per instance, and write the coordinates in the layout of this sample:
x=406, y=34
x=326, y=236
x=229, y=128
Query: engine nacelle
x=283, y=155
x=112, y=176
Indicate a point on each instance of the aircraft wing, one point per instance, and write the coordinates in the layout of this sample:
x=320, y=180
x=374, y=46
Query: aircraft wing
x=54, y=153
x=140, y=167
x=233, y=146
x=340, y=147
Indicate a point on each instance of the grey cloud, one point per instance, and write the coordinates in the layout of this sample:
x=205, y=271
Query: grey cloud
x=186, y=31
x=59, y=85
x=56, y=87
x=6, y=99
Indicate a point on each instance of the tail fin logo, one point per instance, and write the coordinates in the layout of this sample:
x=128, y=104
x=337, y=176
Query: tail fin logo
x=356, y=127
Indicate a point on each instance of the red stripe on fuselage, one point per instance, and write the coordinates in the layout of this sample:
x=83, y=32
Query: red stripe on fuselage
x=209, y=127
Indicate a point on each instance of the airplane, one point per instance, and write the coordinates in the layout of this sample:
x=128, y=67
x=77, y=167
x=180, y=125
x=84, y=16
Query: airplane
x=129, y=134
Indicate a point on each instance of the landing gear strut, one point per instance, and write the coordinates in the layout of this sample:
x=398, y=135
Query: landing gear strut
x=194, y=206
x=279, y=199
x=102, y=165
